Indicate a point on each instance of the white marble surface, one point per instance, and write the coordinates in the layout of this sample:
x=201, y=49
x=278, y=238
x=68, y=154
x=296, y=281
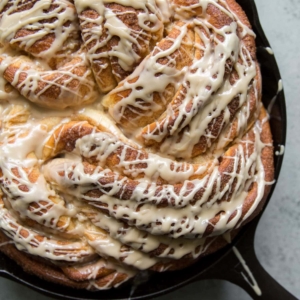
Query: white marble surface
x=278, y=236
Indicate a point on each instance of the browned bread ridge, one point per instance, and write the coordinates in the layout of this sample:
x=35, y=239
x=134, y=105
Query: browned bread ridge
x=133, y=136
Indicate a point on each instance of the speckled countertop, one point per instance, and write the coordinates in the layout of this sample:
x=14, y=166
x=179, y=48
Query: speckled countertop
x=277, y=240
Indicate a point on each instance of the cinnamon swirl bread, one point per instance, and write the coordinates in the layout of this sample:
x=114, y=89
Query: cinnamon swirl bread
x=133, y=136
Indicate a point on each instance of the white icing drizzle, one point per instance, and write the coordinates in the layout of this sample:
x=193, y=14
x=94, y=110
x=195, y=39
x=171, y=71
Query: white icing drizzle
x=165, y=9
x=205, y=76
x=269, y=50
x=170, y=74
x=71, y=83
x=6, y=243
x=253, y=282
x=280, y=88
x=14, y=177
x=72, y=178
x=98, y=31
x=147, y=243
x=58, y=18
x=108, y=247
x=30, y=241
x=199, y=125
x=80, y=189
x=281, y=150
x=205, y=91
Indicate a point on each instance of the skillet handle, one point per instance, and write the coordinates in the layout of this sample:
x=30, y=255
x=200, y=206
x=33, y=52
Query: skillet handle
x=257, y=282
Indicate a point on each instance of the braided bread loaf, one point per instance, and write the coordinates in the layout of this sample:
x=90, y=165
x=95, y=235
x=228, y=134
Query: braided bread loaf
x=133, y=136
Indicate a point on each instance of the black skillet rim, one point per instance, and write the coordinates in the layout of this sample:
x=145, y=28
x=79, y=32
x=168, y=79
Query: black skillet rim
x=166, y=282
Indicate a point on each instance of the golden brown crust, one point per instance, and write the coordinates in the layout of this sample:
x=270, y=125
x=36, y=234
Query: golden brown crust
x=49, y=272
x=71, y=83
x=43, y=42
x=64, y=139
x=69, y=276
x=57, y=276
x=218, y=19
x=180, y=57
x=106, y=66
x=52, y=90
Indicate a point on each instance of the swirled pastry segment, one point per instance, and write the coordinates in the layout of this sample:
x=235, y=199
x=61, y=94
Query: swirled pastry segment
x=133, y=136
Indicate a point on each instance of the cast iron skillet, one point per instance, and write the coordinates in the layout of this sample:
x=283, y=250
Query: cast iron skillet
x=220, y=265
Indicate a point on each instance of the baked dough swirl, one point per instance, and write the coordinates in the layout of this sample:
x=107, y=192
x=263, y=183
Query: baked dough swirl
x=133, y=136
